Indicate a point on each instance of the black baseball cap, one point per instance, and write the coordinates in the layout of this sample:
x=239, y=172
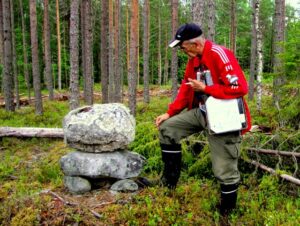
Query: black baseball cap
x=186, y=32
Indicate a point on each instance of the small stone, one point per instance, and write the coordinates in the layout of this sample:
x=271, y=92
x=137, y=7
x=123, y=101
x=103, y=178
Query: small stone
x=77, y=185
x=125, y=186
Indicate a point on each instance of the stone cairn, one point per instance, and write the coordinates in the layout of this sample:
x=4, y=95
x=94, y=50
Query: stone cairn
x=100, y=134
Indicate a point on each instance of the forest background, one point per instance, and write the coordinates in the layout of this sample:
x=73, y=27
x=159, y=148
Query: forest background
x=58, y=55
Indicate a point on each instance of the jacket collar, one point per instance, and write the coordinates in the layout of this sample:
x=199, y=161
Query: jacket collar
x=197, y=61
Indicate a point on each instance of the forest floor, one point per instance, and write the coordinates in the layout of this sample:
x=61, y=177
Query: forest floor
x=32, y=190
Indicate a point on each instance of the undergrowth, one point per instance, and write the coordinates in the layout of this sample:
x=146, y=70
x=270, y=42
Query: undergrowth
x=29, y=167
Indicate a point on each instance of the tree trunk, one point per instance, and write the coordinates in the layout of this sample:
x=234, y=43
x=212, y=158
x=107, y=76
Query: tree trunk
x=233, y=26
x=74, y=52
x=198, y=12
x=278, y=67
x=159, y=73
x=118, y=63
x=211, y=20
x=25, y=56
x=88, y=76
x=58, y=45
x=1, y=46
x=146, y=16
x=132, y=74
x=253, y=52
x=104, y=51
x=174, y=62
x=47, y=51
x=8, y=58
x=111, y=74
x=31, y=132
x=35, y=59
x=14, y=56
x=259, y=56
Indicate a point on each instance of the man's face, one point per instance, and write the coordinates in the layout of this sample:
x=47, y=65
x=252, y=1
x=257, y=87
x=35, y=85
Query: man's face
x=189, y=49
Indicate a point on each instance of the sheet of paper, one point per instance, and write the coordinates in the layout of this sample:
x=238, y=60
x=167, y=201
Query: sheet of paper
x=223, y=115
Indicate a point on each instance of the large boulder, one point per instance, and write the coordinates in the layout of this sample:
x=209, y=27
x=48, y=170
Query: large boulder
x=99, y=128
x=118, y=164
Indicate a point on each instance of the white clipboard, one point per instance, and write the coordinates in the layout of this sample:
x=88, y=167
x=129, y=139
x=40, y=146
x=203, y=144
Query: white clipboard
x=224, y=115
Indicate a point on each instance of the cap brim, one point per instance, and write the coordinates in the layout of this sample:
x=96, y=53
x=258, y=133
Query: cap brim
x=174, y=43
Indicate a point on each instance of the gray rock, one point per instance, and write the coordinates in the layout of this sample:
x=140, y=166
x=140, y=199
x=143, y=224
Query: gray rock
x=100, y=127
x=77, y=184
x=118, y=164
x=125, y=186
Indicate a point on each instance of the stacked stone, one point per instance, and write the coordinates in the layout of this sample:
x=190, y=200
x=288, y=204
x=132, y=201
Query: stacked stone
x=100, y=134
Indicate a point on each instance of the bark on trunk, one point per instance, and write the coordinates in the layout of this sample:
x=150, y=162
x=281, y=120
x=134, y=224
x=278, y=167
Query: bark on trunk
x=25, y=56
x=118, y=62
x=111, y=74
x=211, y=20
x=88, y=76
x=197, y=11
x=259, y=58
x=174, y=63
x=47, y=51
x=233, y=26
x=146, y=51
x=132, y=74
x=14, y=57
x=74, y=52
x=8, y=75
x=104, y=51
x=58, y=45
x=35, y=59
x=253, y=52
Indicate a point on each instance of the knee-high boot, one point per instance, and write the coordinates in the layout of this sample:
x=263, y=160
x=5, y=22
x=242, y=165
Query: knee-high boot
x=171, y=156
x=228, y=198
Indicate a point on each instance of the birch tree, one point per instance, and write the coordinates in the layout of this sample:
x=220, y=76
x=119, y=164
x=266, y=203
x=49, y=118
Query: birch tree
x=259, y=55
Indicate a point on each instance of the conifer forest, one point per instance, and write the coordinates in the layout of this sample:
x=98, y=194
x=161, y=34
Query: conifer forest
x=57, y=56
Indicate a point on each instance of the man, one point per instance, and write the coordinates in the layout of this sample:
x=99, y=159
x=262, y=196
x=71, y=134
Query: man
x=204, y=56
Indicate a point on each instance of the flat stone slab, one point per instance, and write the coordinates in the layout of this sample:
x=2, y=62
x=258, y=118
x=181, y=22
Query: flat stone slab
x=99, y=128
x=119, y=164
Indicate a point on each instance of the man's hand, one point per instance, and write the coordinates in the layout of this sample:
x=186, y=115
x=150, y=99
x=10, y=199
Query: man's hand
x=196, y=85
x=161, y=118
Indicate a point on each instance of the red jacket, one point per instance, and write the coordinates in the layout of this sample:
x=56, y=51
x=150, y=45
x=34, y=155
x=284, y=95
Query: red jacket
x=221, y=62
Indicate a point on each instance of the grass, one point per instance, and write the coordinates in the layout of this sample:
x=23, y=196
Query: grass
x=30, y=166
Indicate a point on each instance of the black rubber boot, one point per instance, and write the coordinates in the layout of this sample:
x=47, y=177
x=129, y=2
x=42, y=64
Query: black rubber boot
x=228, y=198
x=171, y=156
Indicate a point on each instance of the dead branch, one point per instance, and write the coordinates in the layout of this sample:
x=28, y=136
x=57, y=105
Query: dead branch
x=272, y=171
x=275, y=152
x=55, y=195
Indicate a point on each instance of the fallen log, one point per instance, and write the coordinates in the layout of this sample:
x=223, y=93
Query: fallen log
x=31, y=132
x=272, y=171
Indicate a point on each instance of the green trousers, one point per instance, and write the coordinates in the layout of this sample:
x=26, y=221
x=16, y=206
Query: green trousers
x=224, y=148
